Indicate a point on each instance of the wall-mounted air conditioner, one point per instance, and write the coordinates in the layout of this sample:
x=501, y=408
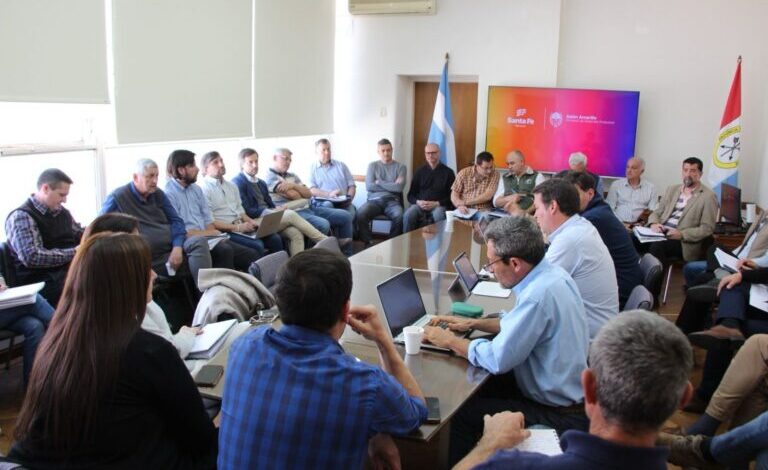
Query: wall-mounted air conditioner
x=383, y=7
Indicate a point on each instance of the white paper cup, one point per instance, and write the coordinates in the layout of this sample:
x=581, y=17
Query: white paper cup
x=413, y=336
x=751, y=213
x=449, y=217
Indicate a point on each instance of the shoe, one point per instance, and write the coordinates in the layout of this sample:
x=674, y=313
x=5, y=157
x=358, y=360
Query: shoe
x=685, y=451
x=344, y=242
x=704, y=293
x=696, y=405
x=717, y=337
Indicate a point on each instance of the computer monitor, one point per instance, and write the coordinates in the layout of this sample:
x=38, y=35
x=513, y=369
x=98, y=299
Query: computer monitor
x=730, y=204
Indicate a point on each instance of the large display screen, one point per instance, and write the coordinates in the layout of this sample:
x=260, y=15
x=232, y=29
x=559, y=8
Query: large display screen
x=548, y=124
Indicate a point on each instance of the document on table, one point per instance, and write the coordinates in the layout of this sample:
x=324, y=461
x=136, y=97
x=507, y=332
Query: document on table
x=543, y=441
x=646, y=235
x=468, y=215
x=726, y=260
x=22, y=295
x=758, y=297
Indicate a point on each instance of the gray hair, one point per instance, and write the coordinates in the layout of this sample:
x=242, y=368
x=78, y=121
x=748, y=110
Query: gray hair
x=577, y=157
x=639, y=160
x=518, y=237
x=143, y=165
x=641, y=363
x=282, y=151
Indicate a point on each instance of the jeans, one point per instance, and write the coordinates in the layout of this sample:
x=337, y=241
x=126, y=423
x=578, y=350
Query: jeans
x=416, y=217
x=321, y=224
x=30, y=321
x=738, y=446
x=392, y=208
x=340, y=220
x=271, y=243
x=692, y=270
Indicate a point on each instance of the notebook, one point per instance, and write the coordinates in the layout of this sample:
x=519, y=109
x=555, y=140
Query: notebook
x=542, y=441
x=472, y=282
x=22, y=295
x=210, y=341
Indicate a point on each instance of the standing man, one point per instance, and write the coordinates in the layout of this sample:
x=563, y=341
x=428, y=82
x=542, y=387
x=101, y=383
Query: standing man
x=159, y=223
x=287, y=189
x=515, y=190
x=540, y=347
x=575, y=246
x=329, y=178
x=189, y=202
x=475, y=186
x=42, y=235
x=631, y=197
x=384, y=181
x=430, y=193
x=686, y=215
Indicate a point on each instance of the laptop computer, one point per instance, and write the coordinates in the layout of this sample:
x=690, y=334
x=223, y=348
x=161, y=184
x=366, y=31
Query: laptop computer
x=472, y=282
x=270, y=223
x=403, y=306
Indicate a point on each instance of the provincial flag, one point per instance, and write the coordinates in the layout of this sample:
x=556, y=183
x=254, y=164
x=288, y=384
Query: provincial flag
x=441, y=131
x=725, y=156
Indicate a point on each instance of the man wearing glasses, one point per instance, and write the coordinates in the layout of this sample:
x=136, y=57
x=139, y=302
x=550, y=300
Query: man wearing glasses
x=430, y=193
x=540, y=347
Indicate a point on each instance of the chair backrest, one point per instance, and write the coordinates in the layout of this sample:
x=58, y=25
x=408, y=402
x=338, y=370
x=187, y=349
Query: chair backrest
x=639, y=298
x=330, y=244
x=270, y=265
x=6, y=264
x=653, y=273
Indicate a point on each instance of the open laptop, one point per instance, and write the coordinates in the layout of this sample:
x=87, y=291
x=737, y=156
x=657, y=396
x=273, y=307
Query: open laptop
x=270, y=223
x=403, y=306
x=472, y=282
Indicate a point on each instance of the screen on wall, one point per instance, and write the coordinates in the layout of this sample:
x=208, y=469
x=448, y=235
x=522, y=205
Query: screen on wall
x=548, y=124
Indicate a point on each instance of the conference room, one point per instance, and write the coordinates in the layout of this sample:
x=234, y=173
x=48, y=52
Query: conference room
x=92, y=86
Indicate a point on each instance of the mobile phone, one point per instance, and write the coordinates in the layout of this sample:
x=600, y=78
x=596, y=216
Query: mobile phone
x=209, y=375
x=433, y=410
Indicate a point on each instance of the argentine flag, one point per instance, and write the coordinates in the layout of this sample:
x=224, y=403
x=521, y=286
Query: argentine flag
x=725, y=157
x=441, y=132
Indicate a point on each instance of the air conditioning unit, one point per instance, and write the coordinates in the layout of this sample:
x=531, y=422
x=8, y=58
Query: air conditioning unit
x=384, y=7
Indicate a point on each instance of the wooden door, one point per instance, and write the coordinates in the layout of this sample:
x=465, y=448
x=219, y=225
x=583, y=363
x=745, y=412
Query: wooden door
x=464, y=107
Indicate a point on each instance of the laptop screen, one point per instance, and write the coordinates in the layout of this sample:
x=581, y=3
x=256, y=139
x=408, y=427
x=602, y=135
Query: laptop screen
x=466, y=271
x=401, y=301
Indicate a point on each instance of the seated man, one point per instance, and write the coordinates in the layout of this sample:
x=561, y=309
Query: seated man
x=577, y=162
x=253, y=194
x=42, y=235
x=384, y=181
x=612, y=232
x=625, y=403
x=317, y=406
x=475, y=186
x=287, y=190
x=430, y=192
x=330, y=178
x=631, y=197
x=686, y=215
x=541, y=342
x=159, y=223
x=576, y=246
x=190, y=203
x=31, y=321
x=515, y=190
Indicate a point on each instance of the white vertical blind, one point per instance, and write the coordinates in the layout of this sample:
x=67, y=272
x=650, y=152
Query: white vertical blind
x=293, y=67
x=182, y=69
x=53, y=51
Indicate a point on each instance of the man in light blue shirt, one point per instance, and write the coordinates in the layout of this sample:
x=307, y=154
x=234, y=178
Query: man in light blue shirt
x=576, y=246
x=542, y=340
x=190, y=203
x=329, y=178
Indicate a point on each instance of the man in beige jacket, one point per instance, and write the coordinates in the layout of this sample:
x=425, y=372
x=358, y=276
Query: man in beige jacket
x=686, y=215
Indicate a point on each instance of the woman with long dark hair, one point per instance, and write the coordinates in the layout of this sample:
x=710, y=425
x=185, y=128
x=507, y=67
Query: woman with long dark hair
x=103, y=392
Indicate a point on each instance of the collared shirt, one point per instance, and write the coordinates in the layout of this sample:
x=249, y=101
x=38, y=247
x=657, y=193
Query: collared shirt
x=469, y=187
x=274, y=178
x=223, y=199
x=294, y=399
x=178, y=230
x=26, y=241
x=577, y=247
x=743, y=251
x=628, y=202
x=543, y=338
x=582, y=451
x=500, y=187
x=334, y=175
x=190, y=203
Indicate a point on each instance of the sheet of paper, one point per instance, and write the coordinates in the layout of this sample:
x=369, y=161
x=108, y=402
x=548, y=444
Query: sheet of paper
x=212, y=332
x=726, y=260
x=491, y=289
x=543, y=441
x=758, y=297
x=646, y=235
x=213, y=241
x=468, y=215
x=21, y=295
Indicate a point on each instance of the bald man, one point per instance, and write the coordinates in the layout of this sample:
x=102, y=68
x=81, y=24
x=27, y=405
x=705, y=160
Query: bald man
x=515, y=191
x=632, y=196
x=430, y=193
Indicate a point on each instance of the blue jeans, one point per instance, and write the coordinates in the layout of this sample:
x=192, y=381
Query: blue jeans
x=738, y=446
x=321, y=224
x=340, y=220
x=416, y=217
x=692, y=270
x=271, y=243
x=30, y=321
x=390, y=207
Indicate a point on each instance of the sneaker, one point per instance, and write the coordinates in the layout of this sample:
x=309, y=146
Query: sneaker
x=685, y=451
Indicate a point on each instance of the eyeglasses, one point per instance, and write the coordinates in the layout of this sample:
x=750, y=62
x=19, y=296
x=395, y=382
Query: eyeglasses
x=491, y=263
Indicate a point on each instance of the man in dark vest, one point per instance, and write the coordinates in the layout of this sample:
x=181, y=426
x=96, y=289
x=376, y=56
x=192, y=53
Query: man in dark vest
x=515, y=191
x=159, y=223
x=42, y=235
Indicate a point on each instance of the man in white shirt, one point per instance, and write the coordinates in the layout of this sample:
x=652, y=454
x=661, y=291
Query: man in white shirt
x=576, y=246
x=630, y=197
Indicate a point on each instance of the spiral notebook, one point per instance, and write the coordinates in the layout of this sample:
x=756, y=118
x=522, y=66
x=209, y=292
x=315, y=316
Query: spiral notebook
x=542, y=441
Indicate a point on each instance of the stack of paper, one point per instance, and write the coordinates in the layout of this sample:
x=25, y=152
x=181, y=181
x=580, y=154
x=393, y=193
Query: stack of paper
x=341, y=198
x=22, y=295
x=542, y=441
x=646, y=235
x=498, y=213
x=208, y=343
x=467, y=216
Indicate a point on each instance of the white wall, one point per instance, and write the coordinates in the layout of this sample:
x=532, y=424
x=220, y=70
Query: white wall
x=681, y=56
x=379, y=56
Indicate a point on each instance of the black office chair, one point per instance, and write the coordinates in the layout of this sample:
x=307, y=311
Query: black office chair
x=653, y=272
x=7, y=271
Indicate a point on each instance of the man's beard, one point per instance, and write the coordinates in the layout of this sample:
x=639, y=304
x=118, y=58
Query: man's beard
x=188, y=180
x=687, y=181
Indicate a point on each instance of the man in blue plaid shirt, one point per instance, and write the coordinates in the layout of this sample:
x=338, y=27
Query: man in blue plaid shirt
x=294, y=399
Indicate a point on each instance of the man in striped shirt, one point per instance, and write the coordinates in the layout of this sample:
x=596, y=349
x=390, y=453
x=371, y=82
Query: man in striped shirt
x=632, y=196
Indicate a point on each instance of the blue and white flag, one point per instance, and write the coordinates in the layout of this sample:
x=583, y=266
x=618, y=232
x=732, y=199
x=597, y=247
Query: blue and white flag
x=725, y=157
x=441, y=131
